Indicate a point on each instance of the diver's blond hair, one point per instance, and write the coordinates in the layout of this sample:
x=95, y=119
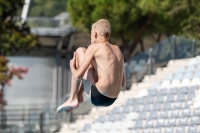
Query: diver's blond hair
x=102, y=27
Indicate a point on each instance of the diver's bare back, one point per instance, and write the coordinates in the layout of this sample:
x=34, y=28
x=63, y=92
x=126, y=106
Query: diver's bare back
x=108, y=64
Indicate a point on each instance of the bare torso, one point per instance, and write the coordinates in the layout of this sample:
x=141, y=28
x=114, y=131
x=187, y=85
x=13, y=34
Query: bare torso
x=108, y=64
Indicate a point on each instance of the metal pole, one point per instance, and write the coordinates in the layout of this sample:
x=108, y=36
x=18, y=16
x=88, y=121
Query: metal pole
x=173, y=47
x=151, y=61
x=25, y=10
x=2, y=109
x=41, y=122
x=193, y=48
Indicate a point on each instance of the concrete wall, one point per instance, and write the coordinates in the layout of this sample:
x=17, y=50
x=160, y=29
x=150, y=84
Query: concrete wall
x=37, y=85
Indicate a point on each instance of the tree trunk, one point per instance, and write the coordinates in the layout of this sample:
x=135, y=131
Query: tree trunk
x=144, y=25
x=141, y=45
x=159, y=37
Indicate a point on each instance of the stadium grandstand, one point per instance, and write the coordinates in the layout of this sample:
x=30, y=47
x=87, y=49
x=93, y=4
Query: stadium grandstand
x=166, y=102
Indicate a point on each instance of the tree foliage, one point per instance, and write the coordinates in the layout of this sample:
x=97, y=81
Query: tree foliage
x=132, y=20
x=14, y=36
x=188, y=14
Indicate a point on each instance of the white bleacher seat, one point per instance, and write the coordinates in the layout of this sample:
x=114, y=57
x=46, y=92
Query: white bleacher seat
x=153, y=115
x=194, y=120
x=96, y=126
x=177, y=105
x=169, y=130
x=170, y=98
x=188, y=75
x=198, y=67
x=162, y=91
x=127, y=124
x=164, y=114
x=169, y=77
x=180, y=129
x=124, y=131
x=102, y=131
x=193, y=61
x=178, y=76
x=106, y=125
x=136, y=108
x=192, y=129
x=160, y=123
x=113, y=131
x=125, y=109
x=188, y=104
x=195, y=81
x=157, y=106
x=148, y=130
x=150, y=99
x=167, y=106
x=152, y=92
x=149, y=124
x=134, y=131
x=183, y=89
x=82, y=132
x=155, y=85
x=160, y=99
x=130, y=101
x=115, y=110
x=121, y=116
x=180, y=97
x=181, y=69
x=138, y=124
x=132, y=116
x=175, y=83
x=117, y=125
x=193, y=88
x=190, y=96
x=165, y=84
x=101, y=118
x=185, y=82
x=139, y=100
x=183, y=121
x=175, y=114
x=111, y=117
x=197, y=74
x=86, y=127
x=143, y=115
x=171, y=122
x=196, y=112
x=191, y=68
x=157, y=130
x=173, y=90
x=185, y=113
x=92, y=131
x=146, y=107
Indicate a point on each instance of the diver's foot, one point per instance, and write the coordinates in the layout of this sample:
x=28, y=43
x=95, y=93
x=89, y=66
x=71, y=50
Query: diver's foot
x=68, y=105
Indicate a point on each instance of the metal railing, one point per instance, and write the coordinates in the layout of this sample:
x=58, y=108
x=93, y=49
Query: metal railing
x=172, y=48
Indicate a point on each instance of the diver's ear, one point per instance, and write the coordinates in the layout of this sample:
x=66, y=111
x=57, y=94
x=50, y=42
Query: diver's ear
x=95, y=34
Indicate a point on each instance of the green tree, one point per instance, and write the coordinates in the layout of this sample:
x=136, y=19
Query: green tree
x=188, y=14
x=128, y=19
x=132, y=20
x=14, y=37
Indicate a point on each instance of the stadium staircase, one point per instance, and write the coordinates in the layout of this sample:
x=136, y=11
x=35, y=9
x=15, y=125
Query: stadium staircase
x=167, y=102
